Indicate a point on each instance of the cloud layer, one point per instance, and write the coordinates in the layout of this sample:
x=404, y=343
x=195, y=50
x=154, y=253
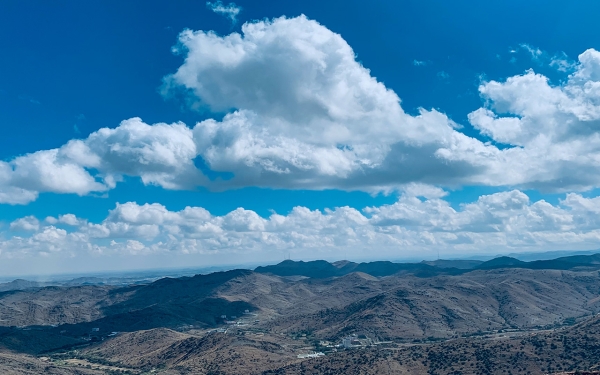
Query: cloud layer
x=501, y=222
x=301, y=113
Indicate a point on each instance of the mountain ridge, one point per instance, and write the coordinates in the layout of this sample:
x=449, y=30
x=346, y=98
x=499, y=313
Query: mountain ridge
x=324, y=269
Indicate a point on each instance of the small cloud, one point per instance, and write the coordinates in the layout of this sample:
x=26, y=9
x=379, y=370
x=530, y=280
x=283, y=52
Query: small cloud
x=27, y=223
x=51, y=220
x=70, y=219
x=76, y=129
x=512, y=60
x=535, y=53
x=419, y=63
x=559, y=61
x=482, y=78
x=415, y=189
x=230, y=10
x=443, y=75
x=562, y=63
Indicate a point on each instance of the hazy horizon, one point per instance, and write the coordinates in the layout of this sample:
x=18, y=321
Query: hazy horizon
x=190, y=270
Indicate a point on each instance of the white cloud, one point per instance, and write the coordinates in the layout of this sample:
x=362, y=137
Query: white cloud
x=588, y=70
x=230, y=10
x=302, y=113
x=554, y=126
x=15, y=195
x=50, y=235
x=562, y=63
x=70, y=219
x=67, y=219
x=51, y=220
x=443, y=75
x=501, y=222
x=45, y=241
x=422, y=190
x=132, y=213
x=159, y=154
x=51, y=170
x=28, y=223
x=535, y=53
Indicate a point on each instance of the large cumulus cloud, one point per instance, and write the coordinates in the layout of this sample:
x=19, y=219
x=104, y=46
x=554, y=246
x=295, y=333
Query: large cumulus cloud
x=303, y=113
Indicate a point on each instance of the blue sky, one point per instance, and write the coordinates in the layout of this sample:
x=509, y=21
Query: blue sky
x=467, y=128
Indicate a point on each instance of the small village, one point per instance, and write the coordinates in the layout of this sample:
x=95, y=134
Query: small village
x=249, y=325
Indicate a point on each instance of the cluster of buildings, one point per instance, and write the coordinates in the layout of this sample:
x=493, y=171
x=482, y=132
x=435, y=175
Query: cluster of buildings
x=233, y=319
x=353, y=341
x=218, y=330
x=356, y=341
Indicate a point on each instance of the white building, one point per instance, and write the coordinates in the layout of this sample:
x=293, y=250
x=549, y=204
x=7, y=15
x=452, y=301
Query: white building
x=311, y=355
x=351, y=342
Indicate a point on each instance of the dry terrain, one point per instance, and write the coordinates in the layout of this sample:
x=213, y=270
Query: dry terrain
x=409, y=308
x=168, y=352
x=570, y=349
x=500, y=317
x=19, y=364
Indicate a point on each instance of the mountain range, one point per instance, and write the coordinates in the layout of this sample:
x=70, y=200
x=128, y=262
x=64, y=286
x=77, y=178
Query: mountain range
x=324, y=269
x=268, y=316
